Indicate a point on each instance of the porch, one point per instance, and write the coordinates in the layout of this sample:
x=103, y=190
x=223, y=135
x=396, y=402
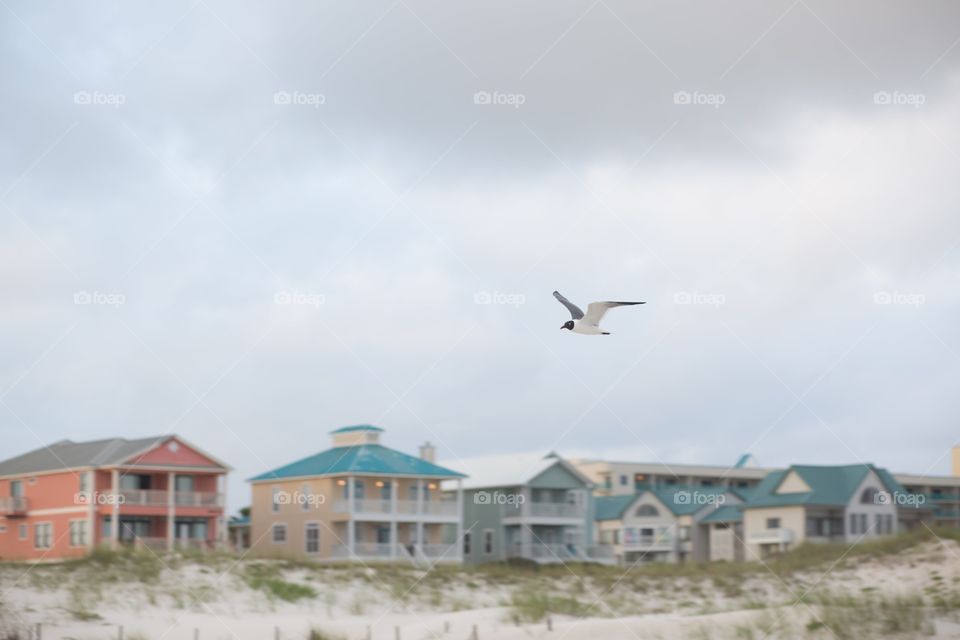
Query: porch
x=415, y=542
x=157, y=534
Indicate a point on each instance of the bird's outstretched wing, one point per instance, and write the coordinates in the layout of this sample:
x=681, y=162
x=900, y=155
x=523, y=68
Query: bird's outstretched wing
x=596, y=310
x=572, y=308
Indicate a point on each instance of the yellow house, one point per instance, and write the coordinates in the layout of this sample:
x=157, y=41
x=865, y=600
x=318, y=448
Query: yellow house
x=357, y=501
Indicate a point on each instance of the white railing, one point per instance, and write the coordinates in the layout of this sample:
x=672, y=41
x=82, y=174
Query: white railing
x=547, y=552
x=143, y=497
x=404, y=507
x=13, y=504
x=772, y=536
x=198, y=499
x=555, y=510
x=369, y=550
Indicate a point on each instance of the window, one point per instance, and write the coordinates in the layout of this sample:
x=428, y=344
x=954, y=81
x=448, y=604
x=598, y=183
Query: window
x=16, y=488
x=275, y=500
x=863, y=523
x=683, y=533
x=84, y=479
x=22, y=532
x=78, y=533
x=313, y=537
x=106, y=529
x=623, y=480
x=878, y=523
x=43, y=535
x=305, y=504
x=488, y=541
x=646, y=511
x=466, y=543
x=853, y=523
x=279, y=533
x=706, y=483
x=869, y=496
x=607, y=482
x=3, y=528
x=773, y=523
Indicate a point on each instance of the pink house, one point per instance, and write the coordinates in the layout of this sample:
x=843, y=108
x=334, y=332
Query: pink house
x=62, y=500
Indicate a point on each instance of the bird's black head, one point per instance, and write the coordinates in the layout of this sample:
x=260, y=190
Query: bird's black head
x=568, y=325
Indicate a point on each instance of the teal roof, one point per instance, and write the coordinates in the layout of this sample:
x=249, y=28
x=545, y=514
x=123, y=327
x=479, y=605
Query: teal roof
x=366, y=458
x=612, y=507
x=829, y=485
x=741, y=461
x=357, y=427
x=678, y=505
x=726, y=513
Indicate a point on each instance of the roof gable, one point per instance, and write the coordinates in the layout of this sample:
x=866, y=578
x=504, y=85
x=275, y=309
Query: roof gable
x=828, y=485
x=792, y=483
x=612, y=507
x=172, y=451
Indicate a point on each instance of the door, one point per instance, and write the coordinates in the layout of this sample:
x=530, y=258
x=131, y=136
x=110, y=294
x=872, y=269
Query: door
x=183, y=530
x=16, y=488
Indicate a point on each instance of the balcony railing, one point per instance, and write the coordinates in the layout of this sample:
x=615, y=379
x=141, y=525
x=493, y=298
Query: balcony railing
x=649, y=542
x=545, y=510
x=13, y=505
x=404, y=507
x=157, y=498
x=772, y=536
x=370, y=550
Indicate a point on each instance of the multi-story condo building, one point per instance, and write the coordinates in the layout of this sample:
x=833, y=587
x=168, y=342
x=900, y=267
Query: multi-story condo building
x=528, y=506
x=661, y=525
x=64, y=499
x=357, y=501
x=613, y=478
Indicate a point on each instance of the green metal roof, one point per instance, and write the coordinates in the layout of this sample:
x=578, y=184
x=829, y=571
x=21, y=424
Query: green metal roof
x=357, y=427
x=684, y=507
x=829, y=485
x=612, y=507
x=367, y=458
x=726, y=513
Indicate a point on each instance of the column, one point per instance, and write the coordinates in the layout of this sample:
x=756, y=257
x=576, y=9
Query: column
x=115, y=516
x=526, y=534
x=351, y=525
x=171, y=508
x=419, y=513
x=91, y=509
x=394, y=490
x=222, y=532
x=460, y=519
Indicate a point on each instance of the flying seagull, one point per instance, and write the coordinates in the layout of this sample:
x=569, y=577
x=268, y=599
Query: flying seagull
x=588, y=324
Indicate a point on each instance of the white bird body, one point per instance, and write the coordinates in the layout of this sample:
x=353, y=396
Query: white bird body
x=588, y=323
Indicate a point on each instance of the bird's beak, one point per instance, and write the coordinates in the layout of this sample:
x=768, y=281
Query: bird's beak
x=562, y=327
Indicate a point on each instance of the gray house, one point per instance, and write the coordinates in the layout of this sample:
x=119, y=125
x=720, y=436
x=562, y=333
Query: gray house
x=528, y=506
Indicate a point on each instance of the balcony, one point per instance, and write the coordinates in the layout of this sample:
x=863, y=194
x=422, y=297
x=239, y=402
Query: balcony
x=771, y=536
x=155, y=498
x=383, y=509
x=544, y=513
x=13, y=506
x=649, y=543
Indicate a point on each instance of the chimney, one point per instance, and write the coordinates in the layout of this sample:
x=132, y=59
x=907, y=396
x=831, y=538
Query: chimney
x=427, y=452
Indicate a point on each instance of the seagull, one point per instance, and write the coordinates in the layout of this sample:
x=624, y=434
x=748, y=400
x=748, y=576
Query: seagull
x=588, y=324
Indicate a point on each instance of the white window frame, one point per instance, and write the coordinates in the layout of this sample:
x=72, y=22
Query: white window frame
x=274, y=503
x=49, y=536
x=307, y=527
x=488, y=542
x=81, y=526
x=273, y=532
x=306, y=491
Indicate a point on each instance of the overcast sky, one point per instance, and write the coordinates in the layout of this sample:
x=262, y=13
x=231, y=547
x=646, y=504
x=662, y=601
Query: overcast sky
x=251, y=223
